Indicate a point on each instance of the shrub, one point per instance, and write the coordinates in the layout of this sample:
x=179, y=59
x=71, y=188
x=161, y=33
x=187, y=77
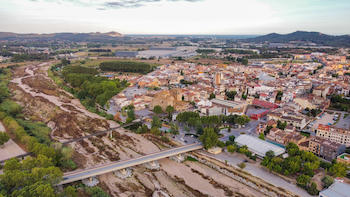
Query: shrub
x=96, y=192
x=312, y=189
x=10, y=107
x=3, y=138
x=189, y=158
x=327, y=181
x=242, y=165
x=231, y=148
x=164, y=139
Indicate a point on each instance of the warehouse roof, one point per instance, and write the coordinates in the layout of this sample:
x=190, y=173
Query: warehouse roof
x=258, y=146
x=337, y=189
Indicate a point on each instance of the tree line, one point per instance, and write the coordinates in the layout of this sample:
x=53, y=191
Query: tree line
x=126, y=66
x=90, y=88
x=302, y=165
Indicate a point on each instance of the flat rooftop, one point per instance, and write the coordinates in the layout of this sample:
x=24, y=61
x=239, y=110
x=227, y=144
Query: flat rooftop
x=338, y=189
x=258, y=146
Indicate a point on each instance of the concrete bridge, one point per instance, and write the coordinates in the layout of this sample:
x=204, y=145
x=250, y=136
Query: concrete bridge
x=119, y=165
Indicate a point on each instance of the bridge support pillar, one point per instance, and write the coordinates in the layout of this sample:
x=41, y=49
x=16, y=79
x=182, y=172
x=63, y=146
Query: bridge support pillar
x=90, y=182
x=123, y=173
x=178, y=158
x=154, y=165
x=110, y=134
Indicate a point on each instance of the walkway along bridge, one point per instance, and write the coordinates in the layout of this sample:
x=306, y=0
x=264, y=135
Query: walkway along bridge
x=70, y=177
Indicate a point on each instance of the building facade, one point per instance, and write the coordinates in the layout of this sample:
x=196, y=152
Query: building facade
x=334, y=134
x=324, y=148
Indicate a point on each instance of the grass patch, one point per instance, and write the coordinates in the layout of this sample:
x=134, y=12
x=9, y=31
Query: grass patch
x=305, y=134
x=189, y=158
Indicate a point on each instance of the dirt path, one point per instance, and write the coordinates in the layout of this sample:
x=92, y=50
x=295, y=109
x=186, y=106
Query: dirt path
x=9, y=149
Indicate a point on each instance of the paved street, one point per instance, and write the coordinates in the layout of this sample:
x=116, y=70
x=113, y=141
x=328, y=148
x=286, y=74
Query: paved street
x=248, y=129
x=344, y=123
x=260, y=172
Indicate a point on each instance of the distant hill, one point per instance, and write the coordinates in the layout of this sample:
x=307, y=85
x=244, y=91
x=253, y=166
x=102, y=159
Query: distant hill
x=76, y=37
x=315, y=37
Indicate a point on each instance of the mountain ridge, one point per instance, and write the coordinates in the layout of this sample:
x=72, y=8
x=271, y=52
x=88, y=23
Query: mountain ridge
x=61, y=36
x=305, y=36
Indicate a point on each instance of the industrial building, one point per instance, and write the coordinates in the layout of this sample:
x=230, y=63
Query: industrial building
x=338, y=189
x=257, y=146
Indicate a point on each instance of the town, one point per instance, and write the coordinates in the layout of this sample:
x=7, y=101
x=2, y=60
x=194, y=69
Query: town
x=177, y=98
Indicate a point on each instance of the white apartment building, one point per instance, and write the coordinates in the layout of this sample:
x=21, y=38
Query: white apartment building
x=334, y=134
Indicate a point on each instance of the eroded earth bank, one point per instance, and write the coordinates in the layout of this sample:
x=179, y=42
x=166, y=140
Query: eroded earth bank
x=43, y=100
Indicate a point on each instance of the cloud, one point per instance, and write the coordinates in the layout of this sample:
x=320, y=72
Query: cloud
x=112, y=4
x=137, y=3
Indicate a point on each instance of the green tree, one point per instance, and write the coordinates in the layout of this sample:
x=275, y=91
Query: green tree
x=267, y=130
x=212, y=96
x=174, y=129
x=142, y=129
x=292, y=149
x=231, y=148
x=155, y=131
x=10, y=107
x=303, y=180
x=170, y=110
x=338, y=169
x=157, y=109
x=242, y=120
x=3, y=138
x=156, y=122
x=262, y=136
x=209, y=138
x=31, y=177
x=327, y=181
x=231, y=95
x=279, y=95
x=232, y=138
x=38, y=189
x=281, y=125
x=312, y=189
x=131, y=115
x=270, y=154
x=4, y=92
x=96, y=192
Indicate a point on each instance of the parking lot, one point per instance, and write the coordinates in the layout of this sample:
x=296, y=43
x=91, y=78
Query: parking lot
x=344, y=121
x=329, y=118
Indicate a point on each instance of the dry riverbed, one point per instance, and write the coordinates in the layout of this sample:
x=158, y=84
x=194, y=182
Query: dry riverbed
x=43, y=100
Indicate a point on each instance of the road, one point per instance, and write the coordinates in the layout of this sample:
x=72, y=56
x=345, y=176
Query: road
x=256, y=170
x=87, y=173
x=248, y=129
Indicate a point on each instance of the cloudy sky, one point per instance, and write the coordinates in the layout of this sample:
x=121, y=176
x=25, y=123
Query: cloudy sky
x=175, y=16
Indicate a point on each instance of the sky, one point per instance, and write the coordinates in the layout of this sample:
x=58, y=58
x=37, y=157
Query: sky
x=227, y=17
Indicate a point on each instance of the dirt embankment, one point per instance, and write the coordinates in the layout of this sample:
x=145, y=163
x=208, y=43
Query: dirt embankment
x=43, y=101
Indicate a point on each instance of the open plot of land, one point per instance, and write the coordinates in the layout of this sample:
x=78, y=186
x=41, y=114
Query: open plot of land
x=326, y=119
